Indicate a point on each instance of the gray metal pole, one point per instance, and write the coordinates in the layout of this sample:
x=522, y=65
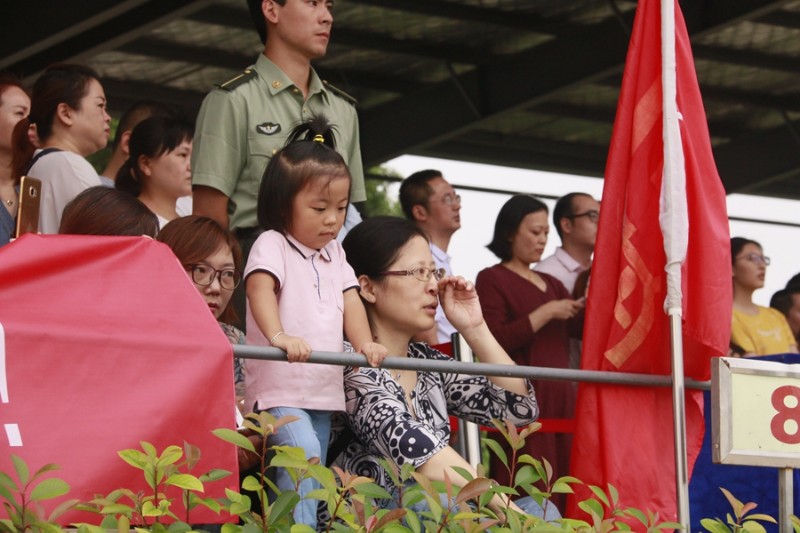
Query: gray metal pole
x=475, y=369
x=679, y=418
x=786, y=492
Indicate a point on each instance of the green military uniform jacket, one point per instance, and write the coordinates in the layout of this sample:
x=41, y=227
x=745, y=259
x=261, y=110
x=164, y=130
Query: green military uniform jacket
x=247, y=119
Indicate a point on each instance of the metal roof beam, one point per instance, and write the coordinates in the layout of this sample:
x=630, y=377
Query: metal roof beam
x=774, y=155
x=453, y=10
x=750, y=58
x=72, y=31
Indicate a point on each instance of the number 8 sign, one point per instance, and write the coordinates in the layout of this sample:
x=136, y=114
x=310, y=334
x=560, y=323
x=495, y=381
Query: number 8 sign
x=755, y=412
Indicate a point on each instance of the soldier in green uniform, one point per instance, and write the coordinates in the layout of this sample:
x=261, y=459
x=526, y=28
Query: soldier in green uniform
x=249, y=117
x=246, y=119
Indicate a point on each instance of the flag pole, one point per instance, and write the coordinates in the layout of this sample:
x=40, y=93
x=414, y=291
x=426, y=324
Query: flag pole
x=674, y=224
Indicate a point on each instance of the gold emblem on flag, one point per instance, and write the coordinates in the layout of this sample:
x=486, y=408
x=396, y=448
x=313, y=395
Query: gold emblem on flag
x=635, y=274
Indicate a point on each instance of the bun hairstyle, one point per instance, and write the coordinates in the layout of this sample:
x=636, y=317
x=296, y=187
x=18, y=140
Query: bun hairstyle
x=309, y=154
x=151, y=138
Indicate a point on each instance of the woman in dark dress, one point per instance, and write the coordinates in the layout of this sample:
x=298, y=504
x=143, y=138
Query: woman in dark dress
x=532, y=315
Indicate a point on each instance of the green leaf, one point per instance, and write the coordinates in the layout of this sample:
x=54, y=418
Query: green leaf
x=179, y=527
x=117, y=508
x=171, y=455
x=251, y=483
x=135, y=458
x=498, y=451
x=49, y=489
x=6, y=481
x=285, y=460
x=62, y=508
x=148, y=509
x=149, y=449
x=560, y=487
x=372, y=490
x=236, y=438
x=763, y=517
x=6, y=494
x=46, y=468
x=185, y=481
x=599, y=494
x=23, y=474
x=215, y=474
x=464, y=473
x=283, y=505
x=714, y=525
x=753, y=526
x=525, y=476
x=592, y=507
x=638, y=515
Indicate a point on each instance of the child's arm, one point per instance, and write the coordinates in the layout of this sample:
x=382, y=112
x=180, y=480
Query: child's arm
x=264, y=306
x=356, y=328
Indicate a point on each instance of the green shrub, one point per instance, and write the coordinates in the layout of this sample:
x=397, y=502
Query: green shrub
x=354, y=503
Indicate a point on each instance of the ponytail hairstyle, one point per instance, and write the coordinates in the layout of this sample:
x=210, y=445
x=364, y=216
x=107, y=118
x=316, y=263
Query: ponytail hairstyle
x=151, y=138
x=308, y=155
x=62, y=83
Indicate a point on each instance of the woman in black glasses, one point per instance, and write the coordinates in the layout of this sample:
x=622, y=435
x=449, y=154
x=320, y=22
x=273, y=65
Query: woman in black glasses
x=756, y=330
x=402, y=415
x=213, y=260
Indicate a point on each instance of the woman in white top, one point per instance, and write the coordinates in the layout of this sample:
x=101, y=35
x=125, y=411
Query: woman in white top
x=68, y=111
x=158, y=170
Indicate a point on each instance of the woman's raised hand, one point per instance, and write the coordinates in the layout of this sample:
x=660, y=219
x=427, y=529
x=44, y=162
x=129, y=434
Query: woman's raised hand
x=460, y=302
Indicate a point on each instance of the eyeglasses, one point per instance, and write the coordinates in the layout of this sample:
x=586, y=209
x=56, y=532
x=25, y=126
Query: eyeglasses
x=450, y=199
x=421, y=273
x=756, y=258
x=204, y=275
x=593, y=215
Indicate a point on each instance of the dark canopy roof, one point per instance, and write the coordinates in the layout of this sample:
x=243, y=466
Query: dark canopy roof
x=525, y=83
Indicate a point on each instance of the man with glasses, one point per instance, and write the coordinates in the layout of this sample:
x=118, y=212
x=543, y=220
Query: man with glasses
x=432, y=203
x=575, y=217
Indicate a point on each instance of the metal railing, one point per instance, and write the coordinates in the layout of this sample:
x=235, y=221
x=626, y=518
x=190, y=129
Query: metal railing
x=481, y=369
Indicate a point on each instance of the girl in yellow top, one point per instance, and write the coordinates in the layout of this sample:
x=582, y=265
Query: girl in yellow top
x=757, y=330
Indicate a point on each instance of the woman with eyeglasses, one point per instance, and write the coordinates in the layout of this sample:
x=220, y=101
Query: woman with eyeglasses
x=402, y=415
x=533, y=317
x=212, y=259
x=755, y=330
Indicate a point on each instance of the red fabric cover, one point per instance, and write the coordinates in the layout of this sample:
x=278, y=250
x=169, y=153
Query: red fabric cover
x=108, y=344
x=624, y=435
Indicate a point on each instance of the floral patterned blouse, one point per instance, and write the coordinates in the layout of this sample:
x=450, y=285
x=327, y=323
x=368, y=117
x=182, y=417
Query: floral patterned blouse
x=236, y=336
x=378, y=415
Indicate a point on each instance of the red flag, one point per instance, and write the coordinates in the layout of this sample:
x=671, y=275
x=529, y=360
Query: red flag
x=624, y=435
x=106, y=344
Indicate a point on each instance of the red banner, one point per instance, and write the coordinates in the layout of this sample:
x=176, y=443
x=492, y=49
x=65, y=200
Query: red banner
x=624, y=435
x=108, y=343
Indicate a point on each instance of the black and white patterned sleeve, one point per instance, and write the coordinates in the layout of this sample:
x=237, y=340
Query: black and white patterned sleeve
x=478, y=400
x=378, y=415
